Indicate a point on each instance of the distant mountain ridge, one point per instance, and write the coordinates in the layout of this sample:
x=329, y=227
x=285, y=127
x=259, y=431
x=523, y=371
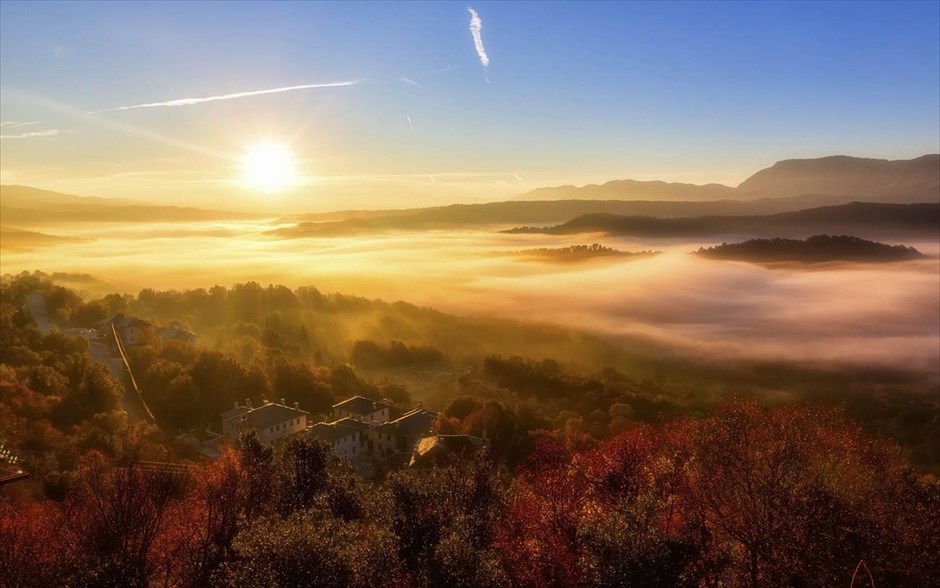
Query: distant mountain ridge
x=25, y=205
x=634, y=190
x=841, y=174
x=858, y=218
x=906, y=180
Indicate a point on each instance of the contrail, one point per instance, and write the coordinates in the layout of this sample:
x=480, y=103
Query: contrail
x=191, y=101
x=410, y=124
x=49, y=133
x=475, y=26
x=12, y=124
x=410, y=81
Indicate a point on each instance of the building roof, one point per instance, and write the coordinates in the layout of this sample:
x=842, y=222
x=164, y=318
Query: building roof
x=234, y=412
x=271, y=414
x=124, y=321
x=352, y=423
x=415, y=423
x=361, y=405
x=331, y=432
x=137, y=323
x=445, y=448
x=175, y=333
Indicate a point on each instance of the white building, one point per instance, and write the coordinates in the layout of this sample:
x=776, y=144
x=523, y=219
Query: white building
x=345, y=435
x=401, y=435
x=131, y=330
x=272, y=421
x=362, y=409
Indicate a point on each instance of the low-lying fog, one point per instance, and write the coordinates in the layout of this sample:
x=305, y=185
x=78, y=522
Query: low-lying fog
x=873, y=314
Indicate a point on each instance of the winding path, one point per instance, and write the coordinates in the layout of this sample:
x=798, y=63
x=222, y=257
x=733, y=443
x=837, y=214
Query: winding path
x=98, y=350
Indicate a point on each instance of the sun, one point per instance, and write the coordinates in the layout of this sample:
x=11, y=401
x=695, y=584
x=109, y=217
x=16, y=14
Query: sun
x=268, y=167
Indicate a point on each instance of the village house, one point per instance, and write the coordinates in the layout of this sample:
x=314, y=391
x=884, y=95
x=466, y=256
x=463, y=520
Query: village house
x=167, y=334
x=362, y=432
x=347, y=436
x=398, y=437
x=439, y=450
x=131, y=329
x=272, y=421
x=362, y=409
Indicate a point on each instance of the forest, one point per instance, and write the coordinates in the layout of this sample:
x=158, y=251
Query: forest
x=815, y=249
x=745, y=497
x=595, y=475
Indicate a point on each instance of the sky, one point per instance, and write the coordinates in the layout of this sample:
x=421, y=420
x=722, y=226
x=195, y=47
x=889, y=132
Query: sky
x=390, y=105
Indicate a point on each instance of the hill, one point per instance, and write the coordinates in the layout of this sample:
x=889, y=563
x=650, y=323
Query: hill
x=868, y=219
x=816, y=249
x=577, y=253
x=18, y=240
x=533, y=212
x=904, y=181
x=633, y=190
x=22, y=205
x=846, y=175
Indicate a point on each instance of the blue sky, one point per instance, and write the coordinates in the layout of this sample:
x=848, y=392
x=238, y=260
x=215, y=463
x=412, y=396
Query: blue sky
x=574, y=93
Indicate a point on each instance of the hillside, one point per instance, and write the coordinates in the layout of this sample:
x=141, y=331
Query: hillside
x=846, y=175
x=903, y=181
x=22, y=205
x=633, y=190
x=816, y=249
x=534, y=213
x=16, y=239
x=575, y=253
x=867, y=219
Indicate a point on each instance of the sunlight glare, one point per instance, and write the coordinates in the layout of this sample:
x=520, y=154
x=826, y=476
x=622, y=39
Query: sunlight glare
x=268, y=167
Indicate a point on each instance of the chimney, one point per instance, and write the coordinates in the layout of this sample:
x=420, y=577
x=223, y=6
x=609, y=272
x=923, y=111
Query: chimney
x=248, y=403
x=236, y=404
x=283, y=403
x=296, y=406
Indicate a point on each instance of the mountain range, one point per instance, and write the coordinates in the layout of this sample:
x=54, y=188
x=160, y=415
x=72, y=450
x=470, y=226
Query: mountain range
x=908, y=180
x=786, y=186
x=867, y=219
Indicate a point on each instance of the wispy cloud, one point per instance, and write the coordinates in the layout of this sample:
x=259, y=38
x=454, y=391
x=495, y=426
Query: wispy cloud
x=34, y=135
x=11, y=124
x=476, y=25
x=443, y=69
x=191, y=101
x=410, y=124
x=410, y=81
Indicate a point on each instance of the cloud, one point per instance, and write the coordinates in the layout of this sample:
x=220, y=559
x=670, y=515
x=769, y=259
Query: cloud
x=34, y=134
x=443, y=69
x=410, y=124
x=476, y=25
x=10, y=124
x=191, y=101
x=410, y=81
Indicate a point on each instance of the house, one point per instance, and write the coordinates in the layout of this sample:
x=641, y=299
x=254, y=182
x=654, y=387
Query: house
x=168, y=334
x=362, y=409
x=272, y=421
x=445, y=449
x=399, y=436
x=347, y=436
x=131, y=330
